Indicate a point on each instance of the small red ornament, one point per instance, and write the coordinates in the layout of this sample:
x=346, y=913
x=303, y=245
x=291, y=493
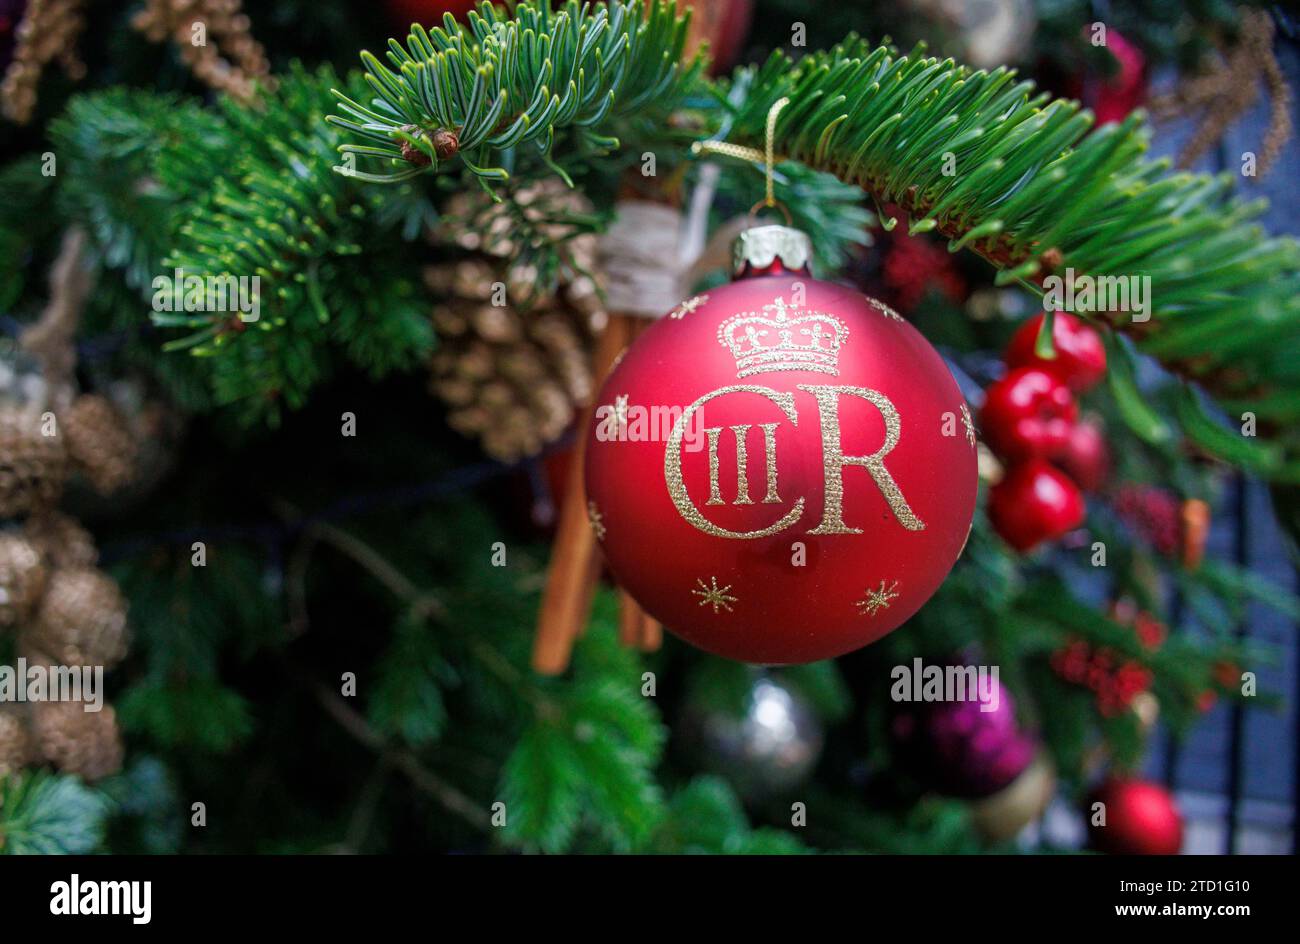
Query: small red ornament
x=1086, y=457
x=427, y=12
x=1028, y=413
x=1141, y=818
x=781, y=470
x=1033, y=503
x=723, y=24
x=1080, y=360
x=1113, y=97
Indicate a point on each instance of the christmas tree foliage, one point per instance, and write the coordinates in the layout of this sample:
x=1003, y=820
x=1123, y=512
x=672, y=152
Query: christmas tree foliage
x=332, y=577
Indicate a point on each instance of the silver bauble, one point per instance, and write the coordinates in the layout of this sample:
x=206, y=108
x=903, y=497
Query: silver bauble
x=765, y=746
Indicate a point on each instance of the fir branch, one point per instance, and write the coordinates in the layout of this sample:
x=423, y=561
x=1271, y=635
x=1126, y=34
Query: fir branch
x=242, y=191
x=1036, y=191
x=424, y=779
x=335, y=283
x=482, y=89
x=109, y=144
x=27, y=217
x=705, y=816
x=589, y=762
x=44, y=814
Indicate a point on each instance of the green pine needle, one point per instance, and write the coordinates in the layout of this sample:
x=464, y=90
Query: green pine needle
x=502, y=81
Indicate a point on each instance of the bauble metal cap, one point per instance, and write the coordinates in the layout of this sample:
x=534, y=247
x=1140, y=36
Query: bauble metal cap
x=760, y=246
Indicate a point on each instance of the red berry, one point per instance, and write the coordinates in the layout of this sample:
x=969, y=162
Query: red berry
x=1028, y=413
x=1227, y=674
x=1086, y=457
x=1099, y=679
x=1150, y=630
x=1133, y=678
x=1080, y=358
x=1071, y=661
x=1034, y=503
x=1153, y=513
x=1110, y=702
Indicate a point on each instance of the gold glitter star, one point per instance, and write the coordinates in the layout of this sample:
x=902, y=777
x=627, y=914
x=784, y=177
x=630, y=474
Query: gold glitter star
x=597, y=522
x=878, y=600
x=688, y=306
x=969, y=424
x=885, y=310
x=711, y=595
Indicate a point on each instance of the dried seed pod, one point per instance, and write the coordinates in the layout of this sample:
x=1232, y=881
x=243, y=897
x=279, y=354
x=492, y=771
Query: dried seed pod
x=33, y=465
x=15, y=742
x=22, y=578
x=85, y=743
x=81, y=620
x=98, y=442
x=60, y=540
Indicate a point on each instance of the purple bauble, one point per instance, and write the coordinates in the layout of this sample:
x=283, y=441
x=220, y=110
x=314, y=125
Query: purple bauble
x=960, y=749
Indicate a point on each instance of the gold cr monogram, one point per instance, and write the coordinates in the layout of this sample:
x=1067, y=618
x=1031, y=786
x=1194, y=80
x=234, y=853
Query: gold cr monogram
x=833, y=462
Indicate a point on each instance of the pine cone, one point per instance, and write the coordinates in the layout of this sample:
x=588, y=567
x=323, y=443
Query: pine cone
x=80, y=621
x=22, y=578
x=99, y=443
x=514, y=381
x=33, y=466
x=76, y=741
x=515, y=374
x=15, y=745
x=60, y=540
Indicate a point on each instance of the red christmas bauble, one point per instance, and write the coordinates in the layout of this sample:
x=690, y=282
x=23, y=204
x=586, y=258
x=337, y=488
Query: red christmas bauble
x=1033, y=503
x=1141, y=819
x=427, y=12
x=1080, y=360
x=1028, y=413
x=782, y=470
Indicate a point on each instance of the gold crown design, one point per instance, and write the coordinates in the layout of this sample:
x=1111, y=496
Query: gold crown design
x=791, y=339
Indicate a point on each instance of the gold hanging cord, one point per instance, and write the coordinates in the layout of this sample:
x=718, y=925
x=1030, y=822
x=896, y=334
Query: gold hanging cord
x=767, y=157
